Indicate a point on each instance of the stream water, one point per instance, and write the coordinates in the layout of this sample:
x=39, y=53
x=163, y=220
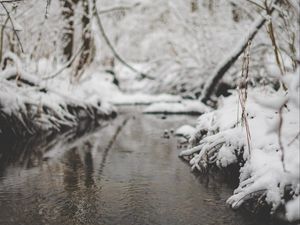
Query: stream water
x=125, y=173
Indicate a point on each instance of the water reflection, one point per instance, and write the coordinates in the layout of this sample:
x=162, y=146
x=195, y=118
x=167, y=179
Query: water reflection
x=122, y=174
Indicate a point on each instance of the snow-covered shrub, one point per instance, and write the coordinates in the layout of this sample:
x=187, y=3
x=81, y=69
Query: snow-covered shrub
x=29, y=105
x=267, y=147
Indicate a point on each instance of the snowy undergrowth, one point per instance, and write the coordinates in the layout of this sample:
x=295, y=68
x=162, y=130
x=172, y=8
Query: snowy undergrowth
x=29, y=104
x=267, y=151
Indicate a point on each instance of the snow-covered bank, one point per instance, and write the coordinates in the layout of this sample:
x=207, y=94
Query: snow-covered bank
x=29, y=105
x=183, y=107
x=185, y=131
x=265, y=143
x=142, y=99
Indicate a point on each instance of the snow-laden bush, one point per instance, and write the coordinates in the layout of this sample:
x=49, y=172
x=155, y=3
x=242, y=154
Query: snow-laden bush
x=265, y=142
x=29, y=104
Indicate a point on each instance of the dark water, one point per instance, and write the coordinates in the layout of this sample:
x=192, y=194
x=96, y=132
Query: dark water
x=123, y=174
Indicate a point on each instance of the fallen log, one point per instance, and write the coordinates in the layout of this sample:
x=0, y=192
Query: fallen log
x=28, y=108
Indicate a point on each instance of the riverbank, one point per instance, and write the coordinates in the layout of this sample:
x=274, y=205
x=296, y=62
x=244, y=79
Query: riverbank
x=261, y=135
x=124, y=173
x=30, y=105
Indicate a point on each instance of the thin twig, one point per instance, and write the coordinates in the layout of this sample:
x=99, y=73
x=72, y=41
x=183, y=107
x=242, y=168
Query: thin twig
x=257, y=4
x=1, y=38
x=10, y=1
x=227, y=63
x=245, y=122
x=280, y=135
x=271, y=32
x=47, y=8
x=294, y=139
x=13, y=26
x=243, y=88
x=118, y=8
x=65, y=66
x=118, y=57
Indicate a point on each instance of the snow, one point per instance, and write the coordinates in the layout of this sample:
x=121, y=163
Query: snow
x=142, y=99
x=185, y=130
x=48, y=109
x=293, y=209
x=183, y=107
x=269, y=169
x=180, y=49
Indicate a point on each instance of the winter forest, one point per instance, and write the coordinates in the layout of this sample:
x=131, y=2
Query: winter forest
x=136, y=112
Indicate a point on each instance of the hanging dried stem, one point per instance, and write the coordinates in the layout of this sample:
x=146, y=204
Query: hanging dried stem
x=13, y=25
x=294, y=139
x=271, y=32
x=47, y=8
x=243, y=93
x=109, y=44
x=1, y=37
x=280, y=135
x=10, y=1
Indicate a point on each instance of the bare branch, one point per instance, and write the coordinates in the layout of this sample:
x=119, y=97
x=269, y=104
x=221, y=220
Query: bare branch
x=118, y=8
x=47, y=8
x=10, y=1
x=118, y=57
x=227, y=63
x=13, y=26
x=280, y=136
x=68, y=64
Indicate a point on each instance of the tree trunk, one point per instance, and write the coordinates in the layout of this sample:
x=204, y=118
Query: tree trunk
x=86, y=39
x=68, y=30
x=194, y=5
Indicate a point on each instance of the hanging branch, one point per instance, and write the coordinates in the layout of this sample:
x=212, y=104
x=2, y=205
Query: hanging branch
x=67, y=64
x=10, y=1
x=12, y=24
x=226, y=64
x=47, y=8
x=117, y=8
x=1, y=37
x=117, y=56
x=280, y=135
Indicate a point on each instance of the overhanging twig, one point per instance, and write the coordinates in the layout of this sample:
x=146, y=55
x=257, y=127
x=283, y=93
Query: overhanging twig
x=118, y=8
x=65, y=66
x=117, y=56
x=226, y=64
x=13, y=26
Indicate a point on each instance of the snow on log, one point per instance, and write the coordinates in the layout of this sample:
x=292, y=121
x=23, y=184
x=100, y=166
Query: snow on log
x=29, y=107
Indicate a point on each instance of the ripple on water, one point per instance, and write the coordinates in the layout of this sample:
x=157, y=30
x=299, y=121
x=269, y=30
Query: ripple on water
x=124, y=174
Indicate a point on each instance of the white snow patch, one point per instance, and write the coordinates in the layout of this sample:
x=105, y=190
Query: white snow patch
x=185, y=130
x=142, y=99
x=293, y=209
x=185, y=106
